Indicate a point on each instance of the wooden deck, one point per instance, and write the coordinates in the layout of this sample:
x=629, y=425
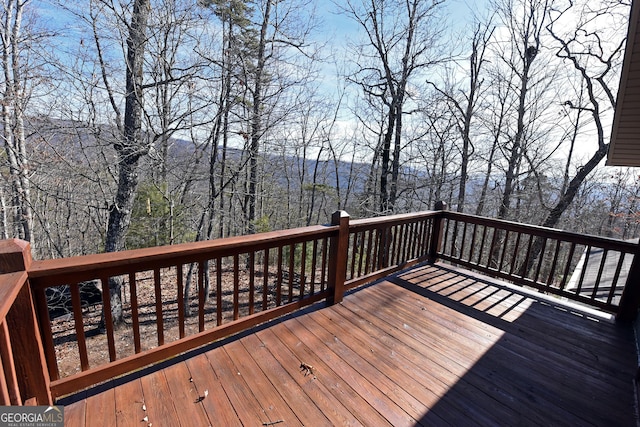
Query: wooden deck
x=430, y=346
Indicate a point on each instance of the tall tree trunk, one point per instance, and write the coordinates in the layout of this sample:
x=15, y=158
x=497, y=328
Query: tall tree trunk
x=256, y=122
x=129, y=149
x=14, y=99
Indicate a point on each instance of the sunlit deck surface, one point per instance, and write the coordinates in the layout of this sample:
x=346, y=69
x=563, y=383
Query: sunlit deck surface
x=429, y=346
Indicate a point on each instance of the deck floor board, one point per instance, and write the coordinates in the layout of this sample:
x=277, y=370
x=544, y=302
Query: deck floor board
x=433, y=345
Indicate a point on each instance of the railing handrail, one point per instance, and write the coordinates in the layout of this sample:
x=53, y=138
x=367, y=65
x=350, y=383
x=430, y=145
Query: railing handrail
x=46, y=272
x=546, y=232
x=361, y=224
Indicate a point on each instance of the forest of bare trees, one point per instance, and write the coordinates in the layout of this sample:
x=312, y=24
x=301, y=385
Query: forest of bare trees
x=128, y=124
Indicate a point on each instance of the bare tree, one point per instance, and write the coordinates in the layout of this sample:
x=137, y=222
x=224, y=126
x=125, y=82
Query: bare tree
x=401, y=41
x=19, y=75
x=466, y=108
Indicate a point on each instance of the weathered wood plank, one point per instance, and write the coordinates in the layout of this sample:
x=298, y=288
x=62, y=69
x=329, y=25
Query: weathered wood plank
x=74, y=414
x=275, y=407
x=350, y=391
x=129, y=404
x=384, y=377
x=362, y=382
x=217, y=406
x=318, y=393
x=101, y=409
x=304, y=407
x=249, y=410
x=158, y=400
x=184, y=395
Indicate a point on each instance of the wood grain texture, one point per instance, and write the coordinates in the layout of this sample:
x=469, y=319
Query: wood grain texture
x=429, y=346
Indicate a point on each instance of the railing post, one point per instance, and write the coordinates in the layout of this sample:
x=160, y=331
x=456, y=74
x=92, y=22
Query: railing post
x=338, y=257
x=437, y=232
x=630, y=300
x=33, y=378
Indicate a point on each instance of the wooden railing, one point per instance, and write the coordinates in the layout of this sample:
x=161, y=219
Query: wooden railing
x=180, y=297
x=587, y=269
x=23, y=376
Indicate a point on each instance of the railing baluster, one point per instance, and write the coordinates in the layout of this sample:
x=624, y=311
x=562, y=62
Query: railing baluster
x=583, y=273
x=393, y=239
x=218, y=291
x=540, y=260
x=504, y=249
x=180, y=286
x=5, y=399
x=565, y=276
x=265, y=280
x=417, y=240
x=323, y=274
x=454, y=236
x=10, y=391
x=361, y=258
x=527, y=257
x=492, y=247
x=616, y=276
x=405, y=240
x=236, y=285
x=133, y=293
x=201, y=296
x=556, y=255
x=377, y=257
x=596, y=285
x=464, y=240
x=76, y=304
x=108, y=319
x=368, y=266
x=292, y=255
x=303, y=267
x=354, y=249
x=514, y=257
x=252, y=286
x=279, y=278
x=47, y=335
x=314, y=267
x=482, y=240
x=445, y=235
x=473, y=242
x=159, y=315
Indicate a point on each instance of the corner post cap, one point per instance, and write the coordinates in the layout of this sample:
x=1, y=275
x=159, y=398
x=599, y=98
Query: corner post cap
x=15, y=255
x=337, y=215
